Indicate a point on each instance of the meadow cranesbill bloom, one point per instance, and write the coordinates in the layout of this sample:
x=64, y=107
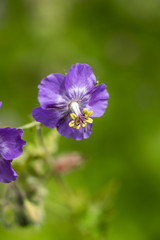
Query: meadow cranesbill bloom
x=70, y=102
x=11, y=146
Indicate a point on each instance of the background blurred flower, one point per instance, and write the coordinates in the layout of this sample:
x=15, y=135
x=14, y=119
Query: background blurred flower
x=68, y=162
x=11, y=146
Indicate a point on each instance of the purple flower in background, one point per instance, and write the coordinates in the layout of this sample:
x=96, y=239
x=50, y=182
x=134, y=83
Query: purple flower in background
x=11, y=146
x=70, y=102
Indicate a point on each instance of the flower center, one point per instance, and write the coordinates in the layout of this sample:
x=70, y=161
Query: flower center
x=79, y=119
x=74, y=107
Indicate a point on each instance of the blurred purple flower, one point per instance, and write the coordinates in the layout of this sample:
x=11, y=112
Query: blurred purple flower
x=68, y=102
x=11, y=146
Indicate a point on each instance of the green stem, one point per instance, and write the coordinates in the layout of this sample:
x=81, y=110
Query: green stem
x=30, y=125
x=59, y=180
x=40, y=137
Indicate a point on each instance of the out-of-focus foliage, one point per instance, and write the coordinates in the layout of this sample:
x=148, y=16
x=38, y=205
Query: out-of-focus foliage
x=23, y=203
x=120, y=40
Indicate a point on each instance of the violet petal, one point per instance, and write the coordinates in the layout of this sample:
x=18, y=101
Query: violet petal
x=98, y=101
x=52, y=91
x=48, y=118
x=7, y=174
x=11, y=143
x=79, y=80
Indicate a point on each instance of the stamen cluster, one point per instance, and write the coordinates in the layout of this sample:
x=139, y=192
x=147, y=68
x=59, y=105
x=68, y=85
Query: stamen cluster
x=81, y=119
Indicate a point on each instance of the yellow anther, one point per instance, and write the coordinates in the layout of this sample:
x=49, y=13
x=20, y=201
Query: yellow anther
x=77, y=127
x=84, y=124
x=71, y=124
x=75, y=123
x=85, y=112
x=90, y=113
x=73, y=116
x=89, y=120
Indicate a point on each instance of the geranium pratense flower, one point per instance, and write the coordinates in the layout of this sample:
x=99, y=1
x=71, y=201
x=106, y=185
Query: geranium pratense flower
x=11, y=146
x=70, y=102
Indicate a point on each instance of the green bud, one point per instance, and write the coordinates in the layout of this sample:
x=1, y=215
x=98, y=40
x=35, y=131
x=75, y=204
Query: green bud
x=34, y=212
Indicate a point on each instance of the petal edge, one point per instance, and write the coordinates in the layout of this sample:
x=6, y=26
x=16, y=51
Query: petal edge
x=98, y=101
x=7, y=173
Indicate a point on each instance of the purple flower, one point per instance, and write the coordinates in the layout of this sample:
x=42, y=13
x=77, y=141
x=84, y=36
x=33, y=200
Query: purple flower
x=70, y=102
x=10, y=147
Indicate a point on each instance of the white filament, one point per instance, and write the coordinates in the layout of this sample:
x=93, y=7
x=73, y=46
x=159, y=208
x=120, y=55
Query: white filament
x=74, y=107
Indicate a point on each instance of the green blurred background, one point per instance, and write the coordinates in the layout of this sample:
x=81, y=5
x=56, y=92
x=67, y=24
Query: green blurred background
x=120, y=39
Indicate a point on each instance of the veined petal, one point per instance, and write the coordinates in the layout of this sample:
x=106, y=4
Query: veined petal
x=52, y=92
x=98, y=101
x=48, y=118
x=11, y=143
x=7, y=174
x=70, y=132
x=79, y=80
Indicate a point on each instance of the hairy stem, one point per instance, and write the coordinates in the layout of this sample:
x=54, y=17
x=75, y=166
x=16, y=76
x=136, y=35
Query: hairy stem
x=30, y=125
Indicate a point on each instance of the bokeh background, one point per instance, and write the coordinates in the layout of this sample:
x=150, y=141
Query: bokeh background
x=120, y=39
